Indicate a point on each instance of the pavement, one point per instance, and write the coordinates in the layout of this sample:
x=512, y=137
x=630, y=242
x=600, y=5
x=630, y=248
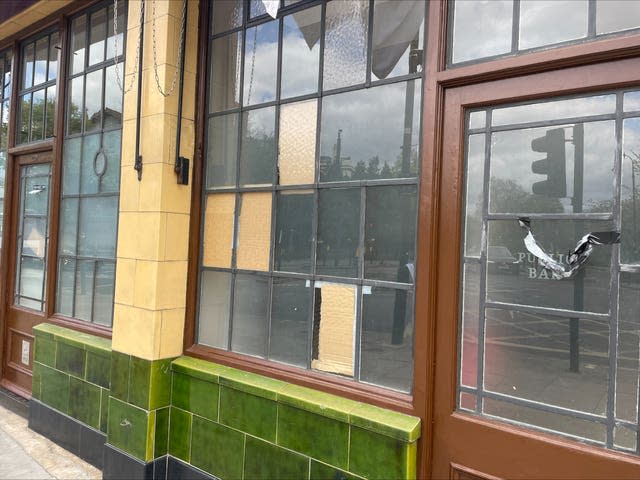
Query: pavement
x=27, y=455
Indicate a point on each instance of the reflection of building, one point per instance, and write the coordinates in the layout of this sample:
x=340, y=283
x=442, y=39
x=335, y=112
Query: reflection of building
x=322, y=299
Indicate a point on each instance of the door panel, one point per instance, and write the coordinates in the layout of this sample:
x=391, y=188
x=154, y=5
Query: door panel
x=529, y=367
x=27, y=276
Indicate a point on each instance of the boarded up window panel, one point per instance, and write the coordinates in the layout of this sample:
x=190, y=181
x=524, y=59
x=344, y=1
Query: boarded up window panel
x=218, y=230
x=297, y=147
x=254, y=231
x=334, y=329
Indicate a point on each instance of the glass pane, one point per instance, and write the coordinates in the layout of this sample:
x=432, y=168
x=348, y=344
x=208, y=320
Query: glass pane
x=113, y=40
x=390, y=233
x=78, y=43
x=24, y=125
x=37, y=116
x=630, y=193
x=224, y=75
x=544, y=22
x=386, y=357
x=260, y=63
x=477, y=119
x=222, y=151
x=97, y=36
x=27, y=65
x=65, y=287
x=254, y=231
x=550, y=421
x=474, y=179
x=628, y=348
x=68, y=226
x=110, y=177
x=294, y=231
x=334, y=316
x=362, y=137
x=4, y=127
x=250, y=314
x=553, y=110
x=481, y=29
x=112, y=98
x=50, y=114
x=345, y=47
x=258, y=148
x=300, y=53
x=74, y=110
x=84, y=289
x=616, y=15
x=467, y=402
x=7, y=77
x=213, y=320
x=88, y=178
x=290, y=302
x=36, y=195
x=31, y=281
x=218, y=230
x=71, y=166
x=632, y=101
x=93, y=102
x=256, y=8
x=515, y=188
x=103, y=295
x=338, y=232
x=528, y=356
x=97, y=232
x=514, y=275
x=226, y=15
x=398, y=30
x=42, y=54
x=297, y=145
x=625, y=438
x=34, y=240
x=469, y=329
x=53, y=56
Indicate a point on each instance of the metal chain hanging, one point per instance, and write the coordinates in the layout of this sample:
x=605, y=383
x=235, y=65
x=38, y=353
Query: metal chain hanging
x=180, y=49
x=115, y=47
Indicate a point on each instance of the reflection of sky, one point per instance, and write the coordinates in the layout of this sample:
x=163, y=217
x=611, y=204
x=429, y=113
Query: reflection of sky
x=631, y=150
x=632, y=101
x=299, y=62
x=543, y=22
x=616, y=15
x=481, y=28
x=260, y=63
x=372, y=123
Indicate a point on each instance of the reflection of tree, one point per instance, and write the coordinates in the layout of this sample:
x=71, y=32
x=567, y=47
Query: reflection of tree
x=630, y=214
x=258, y=154
x=40, y=121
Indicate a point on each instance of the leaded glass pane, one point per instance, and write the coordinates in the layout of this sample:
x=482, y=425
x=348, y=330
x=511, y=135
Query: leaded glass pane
x=258, y=147
x=290, y=304
x=213, y=319
x=222, y=151
x=260, y=63
x=250, y=314
x=301, y=53
x=224, y=77
x=96, y=232
x=294, y=231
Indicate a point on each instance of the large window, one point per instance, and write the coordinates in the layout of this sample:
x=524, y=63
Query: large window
x=311, y=183
x=5, y=104
x=556, y=353
x=90, y=169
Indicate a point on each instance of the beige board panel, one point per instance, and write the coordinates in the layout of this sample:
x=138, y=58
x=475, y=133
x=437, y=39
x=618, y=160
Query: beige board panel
x=297, y=143
x=336, y=331
x=254, y=231
x=218, y=230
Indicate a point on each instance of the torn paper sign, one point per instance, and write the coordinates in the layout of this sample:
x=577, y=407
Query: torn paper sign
x=271, y=6
x=576, y=257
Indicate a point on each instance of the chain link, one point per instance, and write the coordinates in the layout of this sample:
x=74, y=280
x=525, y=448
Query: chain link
x=180, y=50
x=119, y=80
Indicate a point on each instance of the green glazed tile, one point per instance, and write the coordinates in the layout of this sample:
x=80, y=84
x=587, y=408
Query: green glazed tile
x=84, y=402
x=266, y=461
x=376, y=456
x=104, y=409
x=195, y=395
x=314, y=435
x=98, y=368
x=130, y=429
x=36, y=376
x=202, y=369
x=45, y=330
x=120, y=367
x=248, y=413
x=161, y=433
x=321, y=403
x=321, y=471
x=252, y=383
x=139, y=382
x=70, y=359
x=54, y=388
x=217, y=449
x=45, y=351
x=160, y=384
x=386, y=422
x=180, y=434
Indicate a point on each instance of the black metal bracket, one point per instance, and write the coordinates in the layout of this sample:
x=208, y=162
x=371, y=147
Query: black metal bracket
x=138, y=166
x=182, y=170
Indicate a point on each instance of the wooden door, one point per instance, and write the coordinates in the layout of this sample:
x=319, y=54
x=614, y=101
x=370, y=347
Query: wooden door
x=27, y=272
x=537, y=377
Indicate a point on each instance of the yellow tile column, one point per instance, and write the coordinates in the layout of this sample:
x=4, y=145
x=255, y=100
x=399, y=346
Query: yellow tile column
x=153, y=227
